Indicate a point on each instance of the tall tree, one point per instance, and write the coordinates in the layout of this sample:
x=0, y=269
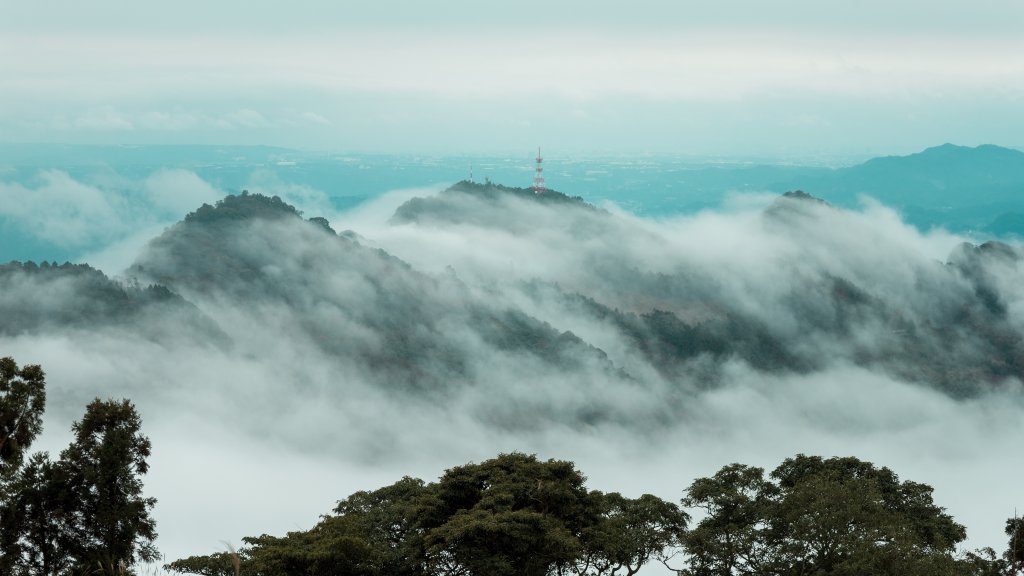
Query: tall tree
x=1014, y=555
x=110, y=523
x=22, y=401
x=35, y=520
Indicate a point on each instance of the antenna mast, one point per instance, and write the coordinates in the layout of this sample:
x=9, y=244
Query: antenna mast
x=538, y=178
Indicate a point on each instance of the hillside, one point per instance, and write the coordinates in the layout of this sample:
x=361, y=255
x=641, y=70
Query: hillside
x=45, y=297
x=251, y=256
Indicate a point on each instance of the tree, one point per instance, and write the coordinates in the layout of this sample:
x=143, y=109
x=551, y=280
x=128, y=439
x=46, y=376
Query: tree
x=731, y=539
x=217, y=564
x=35, y=520
x=22, y=401
x=629, y=533
x=109, y=522
x=1014, y=555
x=371, y=534
x=388, y=520
x=840, y=516
x=509, y=516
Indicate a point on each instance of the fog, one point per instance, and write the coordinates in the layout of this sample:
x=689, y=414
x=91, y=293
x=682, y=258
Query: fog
x=489, y=325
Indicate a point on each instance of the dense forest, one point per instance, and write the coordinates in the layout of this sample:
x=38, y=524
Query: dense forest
x=512, y=515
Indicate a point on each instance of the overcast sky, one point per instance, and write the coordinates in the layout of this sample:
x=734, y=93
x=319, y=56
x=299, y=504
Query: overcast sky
x=741, y=77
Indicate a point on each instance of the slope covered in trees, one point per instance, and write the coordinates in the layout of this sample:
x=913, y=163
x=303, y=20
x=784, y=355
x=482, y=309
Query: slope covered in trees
x=37, y=298
x=358, y=305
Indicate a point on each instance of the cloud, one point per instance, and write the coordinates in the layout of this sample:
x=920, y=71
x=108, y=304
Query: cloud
x=245, y=118
x=61, y=210
x=106, y=118
x=105, y=215
x=178, y=192
x=171, y=121
x=314, y=118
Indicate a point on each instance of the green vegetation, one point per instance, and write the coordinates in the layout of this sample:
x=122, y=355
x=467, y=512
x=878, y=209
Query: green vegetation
x=83, y=513
x=815, y=516
x=516, y=515
x=513, y=515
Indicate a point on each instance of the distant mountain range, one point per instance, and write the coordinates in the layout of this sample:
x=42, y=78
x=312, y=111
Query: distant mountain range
x=956, y=187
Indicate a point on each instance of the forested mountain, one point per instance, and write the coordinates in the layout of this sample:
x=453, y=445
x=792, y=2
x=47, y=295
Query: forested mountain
x=42, y=297
x=362, y=307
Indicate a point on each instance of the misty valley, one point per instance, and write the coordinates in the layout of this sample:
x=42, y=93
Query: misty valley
x=856, y=332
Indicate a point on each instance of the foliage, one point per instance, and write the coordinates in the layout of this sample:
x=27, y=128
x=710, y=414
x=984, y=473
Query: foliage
x=104, y=465
x=815, y=516
x=22, y=401
x=516, y=515
x=513, y=515
x=84, y=511
x=629, y=534
x=35, y=520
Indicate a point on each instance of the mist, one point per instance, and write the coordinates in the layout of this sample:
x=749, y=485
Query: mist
x=439, y=327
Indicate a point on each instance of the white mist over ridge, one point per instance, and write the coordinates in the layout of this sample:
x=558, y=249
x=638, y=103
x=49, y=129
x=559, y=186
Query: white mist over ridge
x=263, y=427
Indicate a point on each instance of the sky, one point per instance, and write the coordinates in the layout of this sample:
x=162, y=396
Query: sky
x=791, y=78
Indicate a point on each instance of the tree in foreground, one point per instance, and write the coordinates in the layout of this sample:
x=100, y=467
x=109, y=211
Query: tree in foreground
x=84, y=512
x=629, y=534
x=22, y=401
x=110, y=523
x=985, y=562
x=511, y=515
x=840, y=516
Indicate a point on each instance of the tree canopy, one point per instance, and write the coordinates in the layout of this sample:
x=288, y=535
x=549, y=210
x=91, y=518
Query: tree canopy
x=83, y=512
x=22, y=401
x=818, y=516
x=513, y=514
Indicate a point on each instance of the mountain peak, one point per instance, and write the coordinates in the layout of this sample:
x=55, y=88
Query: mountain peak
x=462, y=202
x=243, y=206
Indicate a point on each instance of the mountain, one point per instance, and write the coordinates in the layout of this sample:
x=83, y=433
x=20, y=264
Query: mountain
x=461, y=203
x=1009, y=224
x=251, y=258
x=947, y=326
x=37, y=298
x=956, y=187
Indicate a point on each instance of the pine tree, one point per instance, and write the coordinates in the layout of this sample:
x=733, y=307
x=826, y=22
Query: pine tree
x=109, y=523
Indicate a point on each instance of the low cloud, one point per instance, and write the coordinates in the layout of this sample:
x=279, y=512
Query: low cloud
x=59, y=209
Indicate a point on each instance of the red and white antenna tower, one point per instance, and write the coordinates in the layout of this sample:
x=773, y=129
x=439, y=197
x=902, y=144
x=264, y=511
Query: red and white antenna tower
x=538, y=178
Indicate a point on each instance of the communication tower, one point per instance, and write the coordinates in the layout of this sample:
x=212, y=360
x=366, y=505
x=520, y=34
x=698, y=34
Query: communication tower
x=538, y=178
